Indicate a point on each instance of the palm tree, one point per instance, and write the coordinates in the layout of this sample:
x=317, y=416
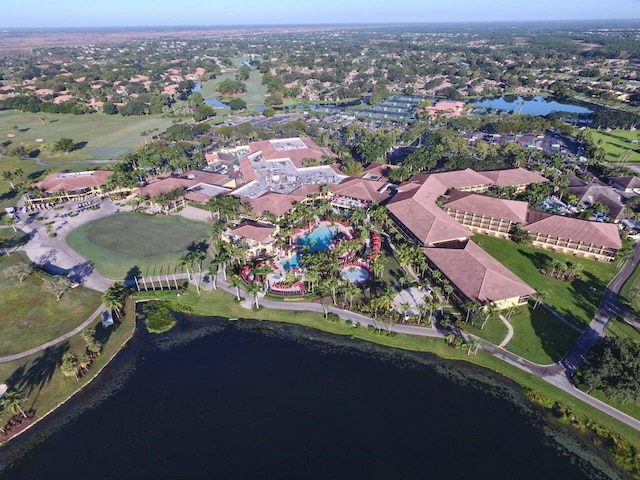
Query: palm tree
x=405, y=308
x=213, y=272
x=69, y=366
x=236, y=281
x=114, y=298
x=8, y=176
x=469, y=306
x=350, y=290
x=253, y=289
x=491, y=311
x=473, y=343
x=540, y=297
x=12, y=401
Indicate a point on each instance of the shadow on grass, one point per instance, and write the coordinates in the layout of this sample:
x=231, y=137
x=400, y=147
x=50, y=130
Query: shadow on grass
x=133, y=273
x=39, y=372
x=556, y=338
x=540, y=260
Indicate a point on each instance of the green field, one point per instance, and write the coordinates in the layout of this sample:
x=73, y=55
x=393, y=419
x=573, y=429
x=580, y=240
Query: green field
x=120, y=242
x=617, y=141
x=30, y=316
x=107, y=137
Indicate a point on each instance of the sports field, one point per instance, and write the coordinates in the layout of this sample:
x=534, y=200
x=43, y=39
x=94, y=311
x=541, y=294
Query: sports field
x=105, y=137
x=118, y=243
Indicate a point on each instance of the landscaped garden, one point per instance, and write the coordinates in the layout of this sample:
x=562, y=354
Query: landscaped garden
x=153, y=244
x=31, y=316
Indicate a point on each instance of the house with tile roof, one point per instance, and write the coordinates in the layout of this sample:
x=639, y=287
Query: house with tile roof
x=258, y=239
x=479, y=277
x=627, y=184
x=67, y=186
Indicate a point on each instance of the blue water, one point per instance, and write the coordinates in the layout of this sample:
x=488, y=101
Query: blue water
x=197, y=88
x=357, y=275
x=319, y=240
x=291, y=263
x=536, y=106
x=260, y=108
x=214, y=102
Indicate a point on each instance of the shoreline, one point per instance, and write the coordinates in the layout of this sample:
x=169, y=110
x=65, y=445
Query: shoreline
x=90, y=380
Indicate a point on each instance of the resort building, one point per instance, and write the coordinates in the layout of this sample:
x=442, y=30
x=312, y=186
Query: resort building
x=595, y=240
x=359, y=193
x=64, y=187
x=477, y=276
x=516, y=178
x=486, y=215
x=588, y=195
x=628, y=184
x=257, y=239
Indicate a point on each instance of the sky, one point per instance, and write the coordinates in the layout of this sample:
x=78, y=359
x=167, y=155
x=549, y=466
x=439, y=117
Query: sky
x=125, y=13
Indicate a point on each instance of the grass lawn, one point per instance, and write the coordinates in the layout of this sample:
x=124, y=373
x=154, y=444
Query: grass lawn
x=120, y=242
x=31, y=316
x=577, y=300
x=617, y=328
x=39, y=378
x=107, y=136
x=494, y=331
x=539, y=336
x=633, y=280
x=617, y=142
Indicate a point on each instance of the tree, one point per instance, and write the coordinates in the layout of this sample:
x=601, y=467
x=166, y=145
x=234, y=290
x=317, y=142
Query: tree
x=236, y=281
x=114, y=298
x=237, y=104
x=12, y=402
x=254, y=289
x=65, y=144
x=20, y=271
x=8, y=176
x=473, y=343
x=109, y=108
x=520, y=235
x=69, y=365
x=89, y=337
x=58, y=286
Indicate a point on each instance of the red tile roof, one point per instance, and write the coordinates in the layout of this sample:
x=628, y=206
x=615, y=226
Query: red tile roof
x=253, y=230
x=270, y=150
x=361, y=189
x=70, y=182
x=489, y=206
x=513, y=177
x=477, y=274
x=575, y=229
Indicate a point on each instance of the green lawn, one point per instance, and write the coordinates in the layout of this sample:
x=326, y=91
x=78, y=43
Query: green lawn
x=494, y=330
x=31, y=316
x=539, y=336
x=625, y=297
x=38, y=376
x=616, y=142
x=107, y=136
x=120, y=242
x=617, y=328
x=577, y=300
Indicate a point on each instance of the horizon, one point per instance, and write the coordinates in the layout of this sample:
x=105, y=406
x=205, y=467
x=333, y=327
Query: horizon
x=73, y=14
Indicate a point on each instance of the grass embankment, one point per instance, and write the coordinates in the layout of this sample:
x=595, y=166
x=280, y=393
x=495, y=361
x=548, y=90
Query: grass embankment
x=626, y=293
x=39, y=378
x=221, y=304
x=101, y=137
x=120, y=242
x=30, y=316
x=617, y=142
x=539, y=336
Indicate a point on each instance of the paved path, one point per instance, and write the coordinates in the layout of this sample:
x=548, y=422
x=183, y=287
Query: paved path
x=55, y=341
x=509, y=336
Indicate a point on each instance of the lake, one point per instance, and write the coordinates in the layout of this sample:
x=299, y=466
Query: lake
x=248, y=399
x=534, y=106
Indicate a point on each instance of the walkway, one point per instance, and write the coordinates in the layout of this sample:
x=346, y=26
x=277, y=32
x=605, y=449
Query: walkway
x=509, y=336
x=55, y=341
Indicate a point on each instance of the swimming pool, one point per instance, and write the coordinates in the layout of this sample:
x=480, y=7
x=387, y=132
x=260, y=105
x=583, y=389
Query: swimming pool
x=291, y=263
x=319, y=240
x=355, y=274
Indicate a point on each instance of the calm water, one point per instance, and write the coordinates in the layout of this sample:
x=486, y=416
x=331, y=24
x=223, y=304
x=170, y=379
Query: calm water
x=252, y=400
x=535, y=106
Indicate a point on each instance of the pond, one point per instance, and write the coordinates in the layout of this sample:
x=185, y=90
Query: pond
x=249, y=399
x=530, y=106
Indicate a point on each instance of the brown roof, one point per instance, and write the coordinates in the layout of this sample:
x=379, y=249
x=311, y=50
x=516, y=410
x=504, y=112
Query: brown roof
x=414, y=205
x=361, y=189
x=477, y=274
x=492, y=207
x=280, y=203
x=626, y=182
x=161, y=186
x=70, y=182
x=253, y=230
x=247, y=171
x=206, y=177
x=462, y=178
x=513, y=177
x=596, y=233
x=271, y=150
x=380, y=170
